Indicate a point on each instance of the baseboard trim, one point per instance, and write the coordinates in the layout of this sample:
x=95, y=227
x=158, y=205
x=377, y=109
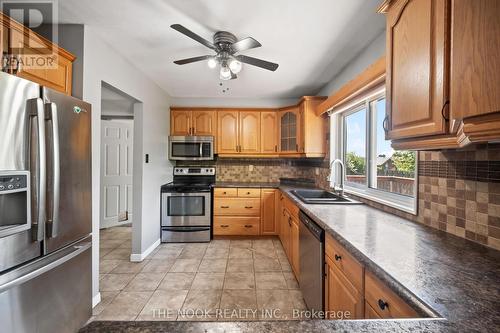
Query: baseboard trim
x=138, y=257
x=96, y=299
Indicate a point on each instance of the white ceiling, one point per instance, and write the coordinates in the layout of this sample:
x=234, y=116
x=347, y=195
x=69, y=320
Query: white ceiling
x=311, y=40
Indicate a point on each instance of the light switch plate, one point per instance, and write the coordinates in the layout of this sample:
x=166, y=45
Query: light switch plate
x=250, y=167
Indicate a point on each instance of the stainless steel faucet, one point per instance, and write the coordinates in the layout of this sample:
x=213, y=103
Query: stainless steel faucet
x=340, y=190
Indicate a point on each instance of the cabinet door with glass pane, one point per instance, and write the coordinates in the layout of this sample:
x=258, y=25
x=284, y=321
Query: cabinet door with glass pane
x=289, y=130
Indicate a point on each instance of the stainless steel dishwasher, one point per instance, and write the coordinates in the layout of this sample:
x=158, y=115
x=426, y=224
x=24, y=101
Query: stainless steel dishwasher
x=312, y=254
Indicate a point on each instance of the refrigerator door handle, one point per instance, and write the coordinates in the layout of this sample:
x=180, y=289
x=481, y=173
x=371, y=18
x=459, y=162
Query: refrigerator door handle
x=54, y=193
x=38, y=170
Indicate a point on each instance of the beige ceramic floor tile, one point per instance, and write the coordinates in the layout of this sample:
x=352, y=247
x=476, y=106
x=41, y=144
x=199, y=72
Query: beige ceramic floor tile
x=238, y=299
x=213, y=266
x=239, y=252
x=177, y=281
x=130, y=267
x=106, y=266
x=267, y=265
x=193, y=252
x=110, y=243
x=106, y=298
x=118, y=254
x=240, y=265
x=291, y=281
x=145, y=282
x=185, y=265
x=241, y=243
x=163, y=305
x=208, y=281
x=220, y=243
x=216, y=253
x=239, y=281
x=204, y=300
x=158, y=266
x=270, y=280
x=125, y=306
x=114, y=282
x=274, y=299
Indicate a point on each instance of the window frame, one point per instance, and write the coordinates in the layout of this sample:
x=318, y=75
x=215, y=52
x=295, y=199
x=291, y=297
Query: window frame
x=337, y=150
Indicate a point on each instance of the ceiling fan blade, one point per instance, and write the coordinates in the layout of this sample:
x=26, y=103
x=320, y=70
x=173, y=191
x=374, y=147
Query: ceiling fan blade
x=245, y=44
x=190, y=60
x=185, y=31
x=271, y=66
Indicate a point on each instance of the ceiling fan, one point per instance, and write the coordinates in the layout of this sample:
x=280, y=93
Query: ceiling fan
x=226, y=47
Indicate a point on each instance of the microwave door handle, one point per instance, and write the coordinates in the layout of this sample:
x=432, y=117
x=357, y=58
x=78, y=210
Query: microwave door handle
x=37, y=169
x=53, y=208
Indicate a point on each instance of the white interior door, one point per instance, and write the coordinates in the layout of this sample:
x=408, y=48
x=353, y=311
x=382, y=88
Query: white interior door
x=116, y=172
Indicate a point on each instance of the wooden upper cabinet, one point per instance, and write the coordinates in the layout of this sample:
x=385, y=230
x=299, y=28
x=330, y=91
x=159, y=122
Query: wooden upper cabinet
x=269, y=132
x=204, y=122
x=227, y=132
x=39, y=59
x=312, y=139
x=417, y=68
x=180, y=122
x=475, y=60
x=289, y=130
x=249, y=132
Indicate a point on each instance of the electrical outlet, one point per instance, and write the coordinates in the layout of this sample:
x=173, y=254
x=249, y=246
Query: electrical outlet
x=250, y=167
x=316, y=171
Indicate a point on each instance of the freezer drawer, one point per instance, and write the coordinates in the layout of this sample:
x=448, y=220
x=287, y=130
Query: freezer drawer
x=52, y=294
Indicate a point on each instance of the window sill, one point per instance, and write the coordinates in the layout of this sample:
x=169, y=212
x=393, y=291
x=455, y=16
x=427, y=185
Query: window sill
x=405, y=204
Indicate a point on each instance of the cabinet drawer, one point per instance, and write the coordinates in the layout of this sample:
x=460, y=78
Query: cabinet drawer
x=225, y=192
x=249, y=192
x=292, y=208
x=352, y=269
x=384, y=301
x=236, y=226
x=237, y=206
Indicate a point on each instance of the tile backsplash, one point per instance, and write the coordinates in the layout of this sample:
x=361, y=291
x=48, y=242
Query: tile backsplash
x=459, y=190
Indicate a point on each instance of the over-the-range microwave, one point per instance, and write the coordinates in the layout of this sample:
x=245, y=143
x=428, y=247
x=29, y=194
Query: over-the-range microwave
x=191, y=148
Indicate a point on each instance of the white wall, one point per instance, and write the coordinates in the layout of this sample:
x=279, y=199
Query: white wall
x=102, y=63
x=357, y=65
x=235, y=102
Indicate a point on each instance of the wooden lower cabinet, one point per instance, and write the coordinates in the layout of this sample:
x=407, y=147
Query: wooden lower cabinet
x=370, y=313
x=269, y=211
x=294, y=247
x=289, y=233
x=236, y=226
x=342, y=299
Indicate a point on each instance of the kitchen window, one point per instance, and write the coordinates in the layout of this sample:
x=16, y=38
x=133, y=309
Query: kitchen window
x=373, y=169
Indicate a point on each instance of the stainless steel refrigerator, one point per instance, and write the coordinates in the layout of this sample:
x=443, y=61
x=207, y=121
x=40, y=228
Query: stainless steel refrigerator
x=45, y=209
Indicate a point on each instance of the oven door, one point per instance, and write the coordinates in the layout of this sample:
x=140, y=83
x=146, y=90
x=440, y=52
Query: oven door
x=185, y=209
x=191, y=148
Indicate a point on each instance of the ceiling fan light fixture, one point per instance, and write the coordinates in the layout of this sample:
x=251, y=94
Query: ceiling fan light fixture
x=235, y=66
x=225, y=73
x=212, y=63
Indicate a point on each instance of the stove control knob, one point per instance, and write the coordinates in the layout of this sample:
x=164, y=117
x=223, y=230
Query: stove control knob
x=10, y=186
x=2, y=187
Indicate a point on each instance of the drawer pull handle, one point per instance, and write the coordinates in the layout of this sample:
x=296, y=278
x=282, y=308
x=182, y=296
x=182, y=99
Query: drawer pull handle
x=337, y=257
x=224, y=206
x=224, y=226
x=382, y=305
x=248, y=207
x=248, y=226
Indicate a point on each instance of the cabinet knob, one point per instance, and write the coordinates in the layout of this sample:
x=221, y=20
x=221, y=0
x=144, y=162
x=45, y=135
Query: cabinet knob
x=224, y=192
x=248, y=193
x=382, y=305
x=337, y=257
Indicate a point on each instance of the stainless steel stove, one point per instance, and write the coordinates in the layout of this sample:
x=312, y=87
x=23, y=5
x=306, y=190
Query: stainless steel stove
x=186, y=205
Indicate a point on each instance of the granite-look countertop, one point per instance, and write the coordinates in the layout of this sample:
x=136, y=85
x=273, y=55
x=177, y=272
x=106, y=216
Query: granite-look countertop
x=436, y=272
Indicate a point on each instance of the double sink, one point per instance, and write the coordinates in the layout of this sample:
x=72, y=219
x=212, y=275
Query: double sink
x=312, y=196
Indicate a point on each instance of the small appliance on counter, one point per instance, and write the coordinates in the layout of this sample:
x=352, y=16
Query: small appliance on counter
x=191, y=148
x=186, y=205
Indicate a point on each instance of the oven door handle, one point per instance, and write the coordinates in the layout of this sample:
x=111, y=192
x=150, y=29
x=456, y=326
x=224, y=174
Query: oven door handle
x=185, y=229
